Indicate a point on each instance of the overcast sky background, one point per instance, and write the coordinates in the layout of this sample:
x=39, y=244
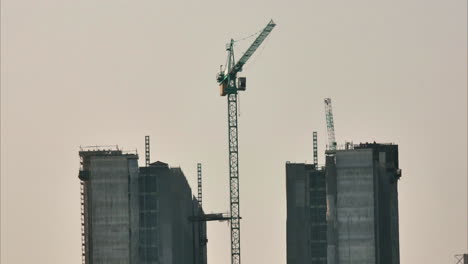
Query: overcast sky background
x=110, y=72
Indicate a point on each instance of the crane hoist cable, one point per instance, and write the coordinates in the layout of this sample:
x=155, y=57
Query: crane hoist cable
x=249, y=36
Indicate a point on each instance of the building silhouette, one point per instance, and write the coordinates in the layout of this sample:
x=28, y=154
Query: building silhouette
x=137, y=215
x=166, y=205
x=361, y=188
x=306, y=214
x=109, y=206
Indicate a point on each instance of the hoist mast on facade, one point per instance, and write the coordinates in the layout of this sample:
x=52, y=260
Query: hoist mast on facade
x=200, y=218
x=230, y=85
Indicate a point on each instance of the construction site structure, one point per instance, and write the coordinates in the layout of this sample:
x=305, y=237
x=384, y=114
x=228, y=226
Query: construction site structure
x=201, y=218
x=347, y=211
x=362, y=192
x=149, y=203
x=229, y=86
x=330, y=125
x=109, y=205
x=166, y=204
x=137, y=215
x=203, y=240
x=306, y=225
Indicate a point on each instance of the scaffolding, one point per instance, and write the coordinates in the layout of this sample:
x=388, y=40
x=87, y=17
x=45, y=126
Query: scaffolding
x=83, y=175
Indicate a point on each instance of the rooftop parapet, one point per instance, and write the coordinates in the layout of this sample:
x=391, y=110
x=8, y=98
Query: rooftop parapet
x=111, y=150
x=350, y=145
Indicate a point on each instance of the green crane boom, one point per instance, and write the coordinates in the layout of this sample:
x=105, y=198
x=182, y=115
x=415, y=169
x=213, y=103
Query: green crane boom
x=253, y=47
x=229, y=87
x=227, y=78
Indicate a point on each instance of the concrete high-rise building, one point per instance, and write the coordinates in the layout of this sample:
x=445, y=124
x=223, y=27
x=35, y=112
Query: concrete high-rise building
x=361, y=207
x=166, y=205
x=137, y=215
x=363, y=203
x=109, y=206
x=306, y=222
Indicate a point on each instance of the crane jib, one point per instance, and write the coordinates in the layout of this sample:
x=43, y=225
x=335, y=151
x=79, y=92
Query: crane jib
x=253, y=47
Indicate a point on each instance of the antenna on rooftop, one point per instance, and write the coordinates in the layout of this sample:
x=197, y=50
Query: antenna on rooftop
x=315, y=149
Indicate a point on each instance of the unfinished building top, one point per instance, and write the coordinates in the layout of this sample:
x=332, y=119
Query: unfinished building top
x=88, y=151
x=159, y=164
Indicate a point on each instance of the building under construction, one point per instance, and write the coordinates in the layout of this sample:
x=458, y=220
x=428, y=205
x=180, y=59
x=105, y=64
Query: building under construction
x=306, y=214
x=166, y=205
x=346, y=212
x=109, y=206
x=137, y=215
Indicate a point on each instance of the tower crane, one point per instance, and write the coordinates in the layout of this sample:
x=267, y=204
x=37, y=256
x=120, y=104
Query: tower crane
x=330, y=125
x=229, y=86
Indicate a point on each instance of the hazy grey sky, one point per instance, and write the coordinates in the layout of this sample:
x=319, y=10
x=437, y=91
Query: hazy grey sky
x=110, y=72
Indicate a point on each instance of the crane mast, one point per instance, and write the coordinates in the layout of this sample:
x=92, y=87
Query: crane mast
x=330, y=124
x=228, y=86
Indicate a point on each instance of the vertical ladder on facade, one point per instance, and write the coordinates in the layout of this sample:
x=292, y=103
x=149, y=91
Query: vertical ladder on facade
x=201, y=231
x=315, y=149
x=83, y=238
x=199, y=183
x=147, y=151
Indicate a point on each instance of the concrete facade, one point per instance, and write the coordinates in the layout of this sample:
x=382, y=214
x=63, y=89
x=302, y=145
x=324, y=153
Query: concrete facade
x=110, y=206
x=355, y=207
x=177, y=238
x=149, y=199
x=360, y=184
x=306, y=214
x=363, y=205
x=134, y=215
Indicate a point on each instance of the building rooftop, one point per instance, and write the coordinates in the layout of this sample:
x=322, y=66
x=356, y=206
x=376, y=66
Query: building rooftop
x=351, y=146
x=88, y=151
